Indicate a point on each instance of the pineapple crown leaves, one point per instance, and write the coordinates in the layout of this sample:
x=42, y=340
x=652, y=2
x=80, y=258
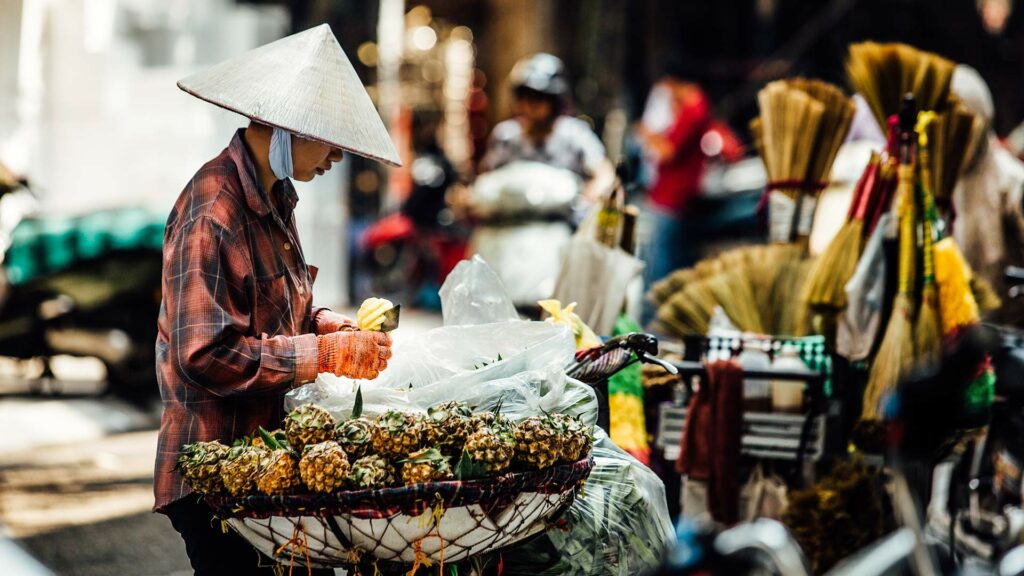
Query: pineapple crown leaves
x=357, y=407
x=274, y=443
x=446, y=410
x=302, y=415
x=394, y=421
x=427, y=456
x=485, y=364
x=199, y=452
x=469, y=469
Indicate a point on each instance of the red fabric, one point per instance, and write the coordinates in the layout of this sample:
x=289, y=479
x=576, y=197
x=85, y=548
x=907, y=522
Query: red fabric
x=235, y=326
x=711, y=440
x=679, y=175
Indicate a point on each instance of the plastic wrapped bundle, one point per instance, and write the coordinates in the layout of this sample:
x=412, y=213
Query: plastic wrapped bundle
x=619, y=525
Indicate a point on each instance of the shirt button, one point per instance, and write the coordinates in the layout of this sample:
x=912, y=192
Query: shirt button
x=287, y=245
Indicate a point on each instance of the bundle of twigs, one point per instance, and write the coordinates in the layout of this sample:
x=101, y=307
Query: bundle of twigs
x=883, y=73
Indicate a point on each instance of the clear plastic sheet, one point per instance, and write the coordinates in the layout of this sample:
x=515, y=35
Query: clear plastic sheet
x=619, y=526
x=478, y=361
x=473, y=294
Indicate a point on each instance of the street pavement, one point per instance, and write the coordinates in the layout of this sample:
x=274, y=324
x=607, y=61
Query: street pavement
x=76, y=478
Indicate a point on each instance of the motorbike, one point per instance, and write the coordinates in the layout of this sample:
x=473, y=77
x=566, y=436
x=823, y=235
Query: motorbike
x=85, y=286
x=525, y=215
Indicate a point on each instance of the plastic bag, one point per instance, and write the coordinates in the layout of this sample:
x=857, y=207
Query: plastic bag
x=518, y=363
x=473, y=294
x=619, y=525
x=521, y=188
x=527, y=257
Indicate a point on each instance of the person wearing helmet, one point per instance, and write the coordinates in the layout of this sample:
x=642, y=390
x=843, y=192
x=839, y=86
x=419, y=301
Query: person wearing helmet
x=237, y=329
x=542, y=131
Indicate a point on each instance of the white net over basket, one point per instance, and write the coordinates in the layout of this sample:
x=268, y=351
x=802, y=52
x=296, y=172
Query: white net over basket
x=426, y=524
x=458, y=534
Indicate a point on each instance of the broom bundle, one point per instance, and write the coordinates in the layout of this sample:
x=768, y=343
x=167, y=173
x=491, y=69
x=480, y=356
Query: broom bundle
x=826, y=285
x=884, y=73
x=952, y=135
x=896, y=352
x=801, y=126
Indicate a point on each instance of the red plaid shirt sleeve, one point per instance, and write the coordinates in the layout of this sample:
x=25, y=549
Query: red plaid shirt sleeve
x=208, y=344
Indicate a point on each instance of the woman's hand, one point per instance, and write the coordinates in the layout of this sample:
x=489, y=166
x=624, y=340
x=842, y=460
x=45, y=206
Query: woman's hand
x=354, y=354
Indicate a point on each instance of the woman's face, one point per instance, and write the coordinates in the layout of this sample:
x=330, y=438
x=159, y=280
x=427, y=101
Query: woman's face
x=311, y=158
x=534, y=108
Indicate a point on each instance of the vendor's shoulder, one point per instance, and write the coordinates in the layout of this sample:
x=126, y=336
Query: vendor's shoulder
x=214, y=193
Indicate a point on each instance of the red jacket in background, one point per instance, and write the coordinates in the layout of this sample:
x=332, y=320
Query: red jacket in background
x=678, y=178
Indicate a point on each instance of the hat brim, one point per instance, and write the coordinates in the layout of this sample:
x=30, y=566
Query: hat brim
x=293, y=130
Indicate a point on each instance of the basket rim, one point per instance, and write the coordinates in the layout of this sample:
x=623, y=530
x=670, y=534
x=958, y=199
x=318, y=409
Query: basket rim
x=490, y=492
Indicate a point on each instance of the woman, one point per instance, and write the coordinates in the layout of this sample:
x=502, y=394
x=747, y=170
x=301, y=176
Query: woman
x=541, y=131
x=237, y=328
x=544, y=165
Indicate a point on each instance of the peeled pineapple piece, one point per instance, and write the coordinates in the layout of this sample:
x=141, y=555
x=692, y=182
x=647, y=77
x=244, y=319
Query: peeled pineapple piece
x=371, y=313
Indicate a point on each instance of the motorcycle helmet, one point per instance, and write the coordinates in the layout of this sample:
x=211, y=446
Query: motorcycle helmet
x=543, y=73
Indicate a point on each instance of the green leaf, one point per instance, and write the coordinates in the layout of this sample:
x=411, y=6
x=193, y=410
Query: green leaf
x=357, y=408
x=424, y=457
x=268, y=439
x=468, y=469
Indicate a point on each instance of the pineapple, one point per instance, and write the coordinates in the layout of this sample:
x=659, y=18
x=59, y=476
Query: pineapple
x=538, y=442
x=371, y=472
x=308, y=424
x=447, y=426
x=324, y=467
x=279, y=467
x=356, y=434
x=397, y=434
x=200, y=464
x=575, y=438
x=427, y=465
x=493, y=446
x=238, y=471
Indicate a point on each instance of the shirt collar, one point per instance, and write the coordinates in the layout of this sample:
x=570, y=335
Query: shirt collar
x=255, y=196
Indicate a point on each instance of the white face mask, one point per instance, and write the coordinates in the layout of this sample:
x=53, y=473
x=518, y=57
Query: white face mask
x=281, y=154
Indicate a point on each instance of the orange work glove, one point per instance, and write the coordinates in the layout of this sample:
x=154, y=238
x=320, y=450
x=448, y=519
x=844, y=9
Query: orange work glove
x=353, y=354
x=327, y=321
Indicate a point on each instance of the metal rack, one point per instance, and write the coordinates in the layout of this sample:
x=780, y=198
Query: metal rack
x=789, y=437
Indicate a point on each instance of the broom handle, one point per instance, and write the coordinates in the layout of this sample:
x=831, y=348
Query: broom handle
x=907, y=240
x=869, y=181
x=928, y=215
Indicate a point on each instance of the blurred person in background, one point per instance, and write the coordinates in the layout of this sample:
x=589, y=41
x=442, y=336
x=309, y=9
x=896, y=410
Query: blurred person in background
x=541, y=129
x=987, y=201
x=544, y=170
x=237, y=328
x=676, y=118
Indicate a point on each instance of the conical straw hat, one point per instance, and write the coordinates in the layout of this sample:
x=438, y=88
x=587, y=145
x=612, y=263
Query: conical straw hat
x=305, y=84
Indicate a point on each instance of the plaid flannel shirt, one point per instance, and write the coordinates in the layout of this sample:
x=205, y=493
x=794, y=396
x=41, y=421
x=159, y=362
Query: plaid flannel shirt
x=236, y=326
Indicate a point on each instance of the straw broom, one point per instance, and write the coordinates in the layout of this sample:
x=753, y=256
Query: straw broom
x=883, y=73
x=896, y=352
x=826, y=285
